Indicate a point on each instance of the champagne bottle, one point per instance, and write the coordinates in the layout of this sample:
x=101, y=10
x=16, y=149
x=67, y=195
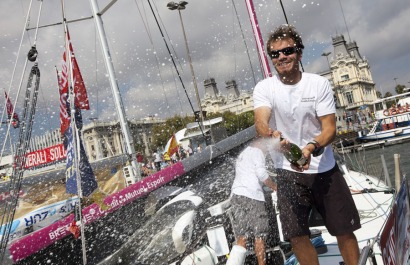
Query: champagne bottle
x=294, y=155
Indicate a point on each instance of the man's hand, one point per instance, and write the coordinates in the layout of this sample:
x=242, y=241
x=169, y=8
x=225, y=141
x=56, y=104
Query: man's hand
x=307, y=153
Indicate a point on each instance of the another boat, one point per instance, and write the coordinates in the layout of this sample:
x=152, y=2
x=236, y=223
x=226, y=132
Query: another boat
x=392, y=119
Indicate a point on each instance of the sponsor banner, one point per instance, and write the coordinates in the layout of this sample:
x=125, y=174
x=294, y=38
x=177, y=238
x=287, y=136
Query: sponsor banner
x=388, y=240
x=40, y=239
x=41, y=217
x=395, y=237
x=45, y=156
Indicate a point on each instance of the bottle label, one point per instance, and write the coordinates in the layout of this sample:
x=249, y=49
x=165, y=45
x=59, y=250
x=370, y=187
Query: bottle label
x=302, y=161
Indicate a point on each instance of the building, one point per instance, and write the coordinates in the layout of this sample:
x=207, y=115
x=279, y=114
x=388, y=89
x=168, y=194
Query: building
x=351, y=78
x=234, y=101
x=105, y=139
x=49, y=138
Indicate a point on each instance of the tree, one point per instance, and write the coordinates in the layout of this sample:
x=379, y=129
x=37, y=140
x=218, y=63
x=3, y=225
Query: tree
x=399, y=89
x=235, y=123
x=379, y=94
x=163, y=132
x=388, y=94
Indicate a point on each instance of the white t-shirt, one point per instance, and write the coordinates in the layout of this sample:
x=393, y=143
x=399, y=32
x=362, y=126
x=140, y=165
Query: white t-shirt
x=250, y=173
x=295, y=112
x=157, y=157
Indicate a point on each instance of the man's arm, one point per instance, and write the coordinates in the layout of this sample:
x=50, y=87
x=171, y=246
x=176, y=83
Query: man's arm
x=262, y=116
x=328, y=133
x=269, y=182
x=326, y=137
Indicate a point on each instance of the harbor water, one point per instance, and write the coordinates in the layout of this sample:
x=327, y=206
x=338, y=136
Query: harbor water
x=369, y=159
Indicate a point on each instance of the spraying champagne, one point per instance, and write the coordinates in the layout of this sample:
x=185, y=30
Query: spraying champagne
x=294, y=155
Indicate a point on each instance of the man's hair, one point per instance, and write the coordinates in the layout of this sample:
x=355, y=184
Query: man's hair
x=285, y=31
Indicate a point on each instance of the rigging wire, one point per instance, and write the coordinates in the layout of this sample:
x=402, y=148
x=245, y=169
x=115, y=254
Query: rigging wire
x=168, y=38
x=75, y=133
x=175, y=66
x=174, y=53
x=23, y=142
x=287, y=22
x=244, y=41
x=147, y=29
x=12, y=78
x=26, y=123
x=176, y=88
x=344, y=19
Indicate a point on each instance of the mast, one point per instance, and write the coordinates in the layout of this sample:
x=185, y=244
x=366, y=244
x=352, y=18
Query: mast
x=258, y=39
x=114, y=86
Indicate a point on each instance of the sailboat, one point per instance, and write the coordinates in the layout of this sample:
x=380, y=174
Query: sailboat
x=199, y=230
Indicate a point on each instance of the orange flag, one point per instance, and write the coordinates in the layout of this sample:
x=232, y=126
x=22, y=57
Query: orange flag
x=173, y=146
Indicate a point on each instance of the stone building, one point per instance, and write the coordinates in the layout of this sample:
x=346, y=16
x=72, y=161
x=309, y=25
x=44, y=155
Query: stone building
x=234, y=101
x=351, y=78
x=49, y=138
x=104, y=139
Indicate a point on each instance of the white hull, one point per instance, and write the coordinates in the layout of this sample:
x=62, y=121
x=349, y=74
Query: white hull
x=373, y=208
x=383, y=135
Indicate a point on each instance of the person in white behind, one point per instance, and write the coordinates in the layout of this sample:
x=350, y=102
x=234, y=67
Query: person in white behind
x=247, y=197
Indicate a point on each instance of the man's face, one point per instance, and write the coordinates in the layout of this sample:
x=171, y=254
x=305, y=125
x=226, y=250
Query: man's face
x=285, y=64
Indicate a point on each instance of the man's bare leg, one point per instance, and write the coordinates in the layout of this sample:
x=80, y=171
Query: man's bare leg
x=260, y=250
x=304, y=250
x=241, y=241
x=349, y=248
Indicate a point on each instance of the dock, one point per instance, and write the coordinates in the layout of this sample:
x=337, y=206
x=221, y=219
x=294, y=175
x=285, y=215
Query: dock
x=373, y=144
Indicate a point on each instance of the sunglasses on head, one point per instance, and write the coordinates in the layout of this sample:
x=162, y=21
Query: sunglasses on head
x=274, y=54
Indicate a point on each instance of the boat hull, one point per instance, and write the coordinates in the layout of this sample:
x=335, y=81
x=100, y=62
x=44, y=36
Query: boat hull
x=389, y=134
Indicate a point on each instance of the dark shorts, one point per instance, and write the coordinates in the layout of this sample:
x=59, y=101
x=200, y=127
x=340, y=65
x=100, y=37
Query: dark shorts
x=249, y=217
x=327, y=191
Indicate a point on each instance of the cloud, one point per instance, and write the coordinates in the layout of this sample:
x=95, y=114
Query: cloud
x=144, y=71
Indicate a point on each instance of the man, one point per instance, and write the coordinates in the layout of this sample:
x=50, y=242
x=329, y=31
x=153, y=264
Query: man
x=300, y=108
x=157, y=160
x=247, y=197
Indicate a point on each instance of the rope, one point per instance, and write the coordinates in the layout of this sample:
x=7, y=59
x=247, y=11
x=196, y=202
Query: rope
x=175, y=66
x=75, y=134
x=24, y=139
x=147, y=29
x=244, y=42
x=287, y=22
x=12, y=78
x=25, y=130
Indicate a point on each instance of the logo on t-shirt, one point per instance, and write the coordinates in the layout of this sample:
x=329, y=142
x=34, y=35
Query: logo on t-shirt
x=311, y=99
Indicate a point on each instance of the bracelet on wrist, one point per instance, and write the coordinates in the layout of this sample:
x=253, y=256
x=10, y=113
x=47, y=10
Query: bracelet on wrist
x=318, y=148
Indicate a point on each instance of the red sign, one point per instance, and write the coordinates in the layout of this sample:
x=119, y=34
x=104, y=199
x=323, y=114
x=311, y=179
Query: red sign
x=395, y=237
x=45, y=156
x=388, y=240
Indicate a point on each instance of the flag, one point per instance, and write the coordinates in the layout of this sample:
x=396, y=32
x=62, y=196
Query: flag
x=74, y=229
x=81, y=98
x=10, y=112
x=173, y=146
x=88, y=180
x=64, y=115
